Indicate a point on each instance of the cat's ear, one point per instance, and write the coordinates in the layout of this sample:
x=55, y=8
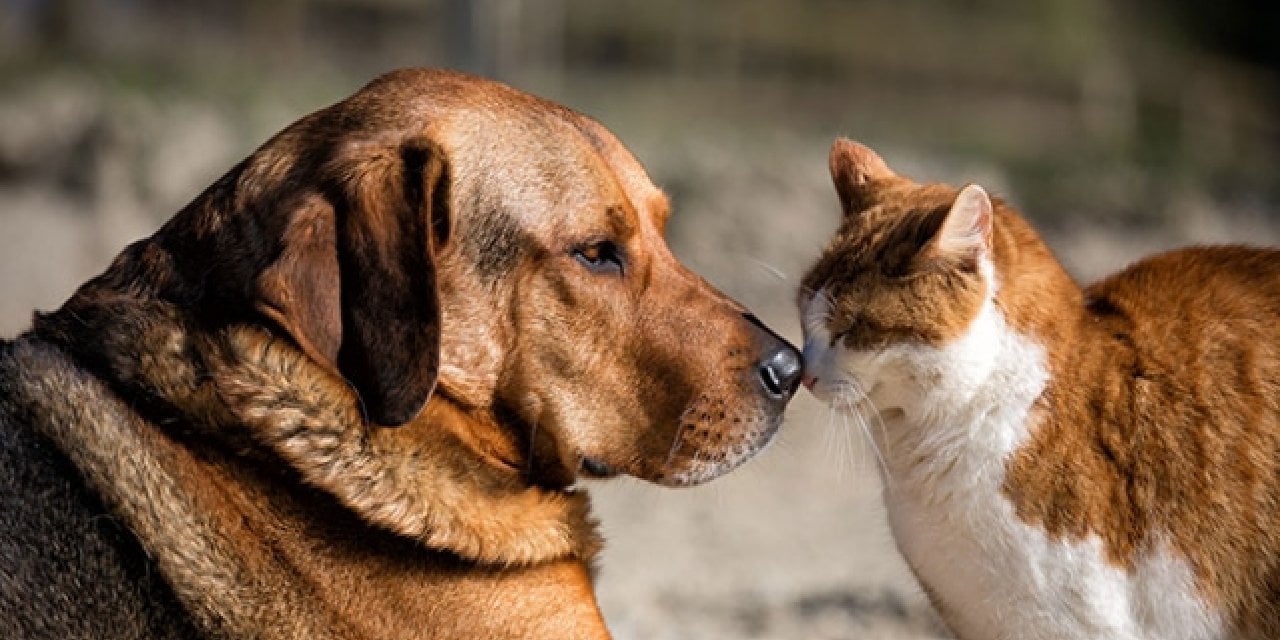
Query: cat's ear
x=965, y=233
x=854, y=166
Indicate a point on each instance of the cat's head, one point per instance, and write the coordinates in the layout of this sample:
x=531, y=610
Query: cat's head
x=906, y=276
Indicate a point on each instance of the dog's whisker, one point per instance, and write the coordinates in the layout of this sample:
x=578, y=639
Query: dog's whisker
x=676, y=440
x=702, y=456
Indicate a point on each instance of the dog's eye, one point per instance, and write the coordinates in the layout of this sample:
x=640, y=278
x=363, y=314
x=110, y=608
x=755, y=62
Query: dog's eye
x=601, y=256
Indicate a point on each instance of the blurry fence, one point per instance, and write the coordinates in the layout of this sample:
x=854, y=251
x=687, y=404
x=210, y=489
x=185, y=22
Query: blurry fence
x=1096, y=81
x=1087, y=112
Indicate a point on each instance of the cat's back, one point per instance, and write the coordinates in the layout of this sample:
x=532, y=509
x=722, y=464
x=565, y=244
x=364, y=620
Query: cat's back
x=1202, y=323
x=1182, y=353
x=1195, y=285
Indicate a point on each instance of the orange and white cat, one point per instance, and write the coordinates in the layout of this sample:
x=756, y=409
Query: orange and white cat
x=1059, y=462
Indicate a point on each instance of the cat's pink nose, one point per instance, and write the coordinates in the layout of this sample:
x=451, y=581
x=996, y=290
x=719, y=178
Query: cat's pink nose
x=808, y=381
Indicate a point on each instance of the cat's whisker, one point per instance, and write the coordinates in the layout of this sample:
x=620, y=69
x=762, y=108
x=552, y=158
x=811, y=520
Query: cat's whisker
x=851, y=398
x=867, y=406
x=879, y=417
x=833, y=445
x=849, y=438
x=875, y=448
x=838, y=440
x=852, y=443
x=770, y=269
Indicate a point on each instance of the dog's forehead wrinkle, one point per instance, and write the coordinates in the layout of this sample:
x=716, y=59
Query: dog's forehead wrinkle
x=496, y=246
x=579, y=173
x=613, y=164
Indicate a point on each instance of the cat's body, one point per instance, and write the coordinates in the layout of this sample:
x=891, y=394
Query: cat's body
x=1059, y=462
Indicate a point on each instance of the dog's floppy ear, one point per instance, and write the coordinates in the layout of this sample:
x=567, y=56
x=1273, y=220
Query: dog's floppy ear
x=354, y=283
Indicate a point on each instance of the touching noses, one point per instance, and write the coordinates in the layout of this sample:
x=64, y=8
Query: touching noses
x=808, y=377
x=780, y=365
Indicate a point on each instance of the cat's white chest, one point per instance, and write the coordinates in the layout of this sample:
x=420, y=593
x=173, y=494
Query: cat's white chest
x=996, y=577
x=954, y=415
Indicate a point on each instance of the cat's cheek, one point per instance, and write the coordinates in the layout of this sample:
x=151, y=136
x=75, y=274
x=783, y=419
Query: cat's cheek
x=887, y=378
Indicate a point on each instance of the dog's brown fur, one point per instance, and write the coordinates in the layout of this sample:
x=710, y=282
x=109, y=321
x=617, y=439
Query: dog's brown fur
x=436, y=253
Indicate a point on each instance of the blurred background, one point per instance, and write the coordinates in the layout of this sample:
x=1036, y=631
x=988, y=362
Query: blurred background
x=1120, y=127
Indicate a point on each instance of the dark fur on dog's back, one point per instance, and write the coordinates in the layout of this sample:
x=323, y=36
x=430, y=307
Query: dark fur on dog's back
x=62, y=547
x=246, y=547
x=65, y=549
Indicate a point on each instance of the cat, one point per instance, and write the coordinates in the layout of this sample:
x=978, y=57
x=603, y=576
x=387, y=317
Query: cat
x=1058, y=462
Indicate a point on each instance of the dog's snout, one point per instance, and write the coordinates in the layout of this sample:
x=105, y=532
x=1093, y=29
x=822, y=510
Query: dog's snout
x=780, y=371
x=781, y=366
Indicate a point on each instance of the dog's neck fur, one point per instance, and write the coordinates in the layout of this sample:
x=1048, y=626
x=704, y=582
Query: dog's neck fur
x=248, y=548
x=195, y=471
x=434, y=480
x=147, y=479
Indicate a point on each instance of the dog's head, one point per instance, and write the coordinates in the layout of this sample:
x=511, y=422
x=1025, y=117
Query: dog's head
x=439, y=235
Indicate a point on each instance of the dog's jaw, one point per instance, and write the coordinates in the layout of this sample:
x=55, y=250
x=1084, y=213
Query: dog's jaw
x=702, y=452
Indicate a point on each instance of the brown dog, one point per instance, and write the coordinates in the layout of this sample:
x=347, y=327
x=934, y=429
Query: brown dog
x=200, y=442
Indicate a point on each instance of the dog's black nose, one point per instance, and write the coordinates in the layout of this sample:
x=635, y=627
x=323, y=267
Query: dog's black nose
x=780, y=371
x=781, y=367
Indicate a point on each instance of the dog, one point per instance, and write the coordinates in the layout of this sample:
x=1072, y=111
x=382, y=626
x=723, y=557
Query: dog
x=348, y=391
